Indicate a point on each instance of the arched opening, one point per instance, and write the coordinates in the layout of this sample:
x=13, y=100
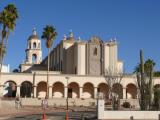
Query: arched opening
x=34, y=45
x=131, y=91
x=58, y=90
x=117, y=90
x=95, y=51
x=73, y=90
x=26, y=89
x=41, y=89
x=103, y=88
x=34, y=58
x=88, y=90
x=10, y=89
x=29, y=45
x=156, y=86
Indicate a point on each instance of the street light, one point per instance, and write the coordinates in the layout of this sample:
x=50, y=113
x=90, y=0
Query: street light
x=67, y=78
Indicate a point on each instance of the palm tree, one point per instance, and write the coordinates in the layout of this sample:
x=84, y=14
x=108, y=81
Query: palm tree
x=8, y=19
x=145, y=86
x=49, y=34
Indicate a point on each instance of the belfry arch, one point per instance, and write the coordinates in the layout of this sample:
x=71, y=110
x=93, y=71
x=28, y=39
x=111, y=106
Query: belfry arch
x=34, y=58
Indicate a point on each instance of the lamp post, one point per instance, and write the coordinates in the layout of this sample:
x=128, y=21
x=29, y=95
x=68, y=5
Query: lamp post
x=67, y=78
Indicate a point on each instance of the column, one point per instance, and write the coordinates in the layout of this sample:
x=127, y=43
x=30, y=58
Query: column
x=1, y=90
x=80, y=92
x=124, y=93
x=65, y=92
x=100, y=109
x=95, y=92
x=50, y=91
x=138, y=93
x=18, y=90
x=35, y=92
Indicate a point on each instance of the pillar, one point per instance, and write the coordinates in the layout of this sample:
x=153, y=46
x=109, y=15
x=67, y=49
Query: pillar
x=80, y=92
x=1, y=90
x=35, y=91
x=124, y=93
x=138, y=93
x=18, y=90
x=100, y=109
x=65, y=92
x=50, y=91
x=95, y=92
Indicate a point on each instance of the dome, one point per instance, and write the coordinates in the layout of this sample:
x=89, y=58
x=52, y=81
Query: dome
x=34, y=35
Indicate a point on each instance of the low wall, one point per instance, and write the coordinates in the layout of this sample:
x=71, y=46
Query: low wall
x=9, y=104
x=145, y=115
x=125, y=115
x=59, y=102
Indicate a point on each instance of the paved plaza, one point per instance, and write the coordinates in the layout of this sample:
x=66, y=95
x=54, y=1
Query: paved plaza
x=54, y=113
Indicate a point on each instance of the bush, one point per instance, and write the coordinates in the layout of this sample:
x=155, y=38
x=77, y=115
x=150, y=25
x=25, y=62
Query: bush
x=126, y=105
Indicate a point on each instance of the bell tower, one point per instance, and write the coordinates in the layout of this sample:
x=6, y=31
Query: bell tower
x=33, y=52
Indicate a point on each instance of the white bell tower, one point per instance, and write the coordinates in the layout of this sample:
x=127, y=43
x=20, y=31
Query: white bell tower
x=33, y=51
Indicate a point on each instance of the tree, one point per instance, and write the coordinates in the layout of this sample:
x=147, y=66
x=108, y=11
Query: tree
x=156, y=74
x=111, y=79
x=49, y=34
x=8, y=19
x=157, y=98
x=144, y=73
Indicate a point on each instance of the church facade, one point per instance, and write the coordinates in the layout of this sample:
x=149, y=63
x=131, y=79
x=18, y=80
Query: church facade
x=78, y=69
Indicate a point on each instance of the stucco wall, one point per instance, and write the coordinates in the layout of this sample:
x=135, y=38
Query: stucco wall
x=145, y=115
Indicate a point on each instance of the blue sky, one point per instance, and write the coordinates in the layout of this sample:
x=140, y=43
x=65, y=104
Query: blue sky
x=134, y=23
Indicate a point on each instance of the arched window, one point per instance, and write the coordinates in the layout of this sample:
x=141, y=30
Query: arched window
x=34, y=58
x=29, y=45
x=34, y=45
x=95, y=51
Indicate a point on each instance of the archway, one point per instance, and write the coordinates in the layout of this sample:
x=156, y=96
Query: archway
x=10, y=89
x=157, y=86
x=103, y=88
x=73, y=90
x=34, y=45
x=131, y=91
x=88, y=90
x=41, y=89
x=58, y=90
x=117, y=90
x=34, y=58
x=26, y=89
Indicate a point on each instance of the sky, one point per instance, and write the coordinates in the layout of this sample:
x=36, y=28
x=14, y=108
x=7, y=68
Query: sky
x=134, y=23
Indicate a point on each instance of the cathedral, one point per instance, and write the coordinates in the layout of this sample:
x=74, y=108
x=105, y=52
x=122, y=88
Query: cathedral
x=79, y=69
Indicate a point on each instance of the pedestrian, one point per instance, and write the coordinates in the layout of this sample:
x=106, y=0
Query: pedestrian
x=44, y=103
x=18, y=102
